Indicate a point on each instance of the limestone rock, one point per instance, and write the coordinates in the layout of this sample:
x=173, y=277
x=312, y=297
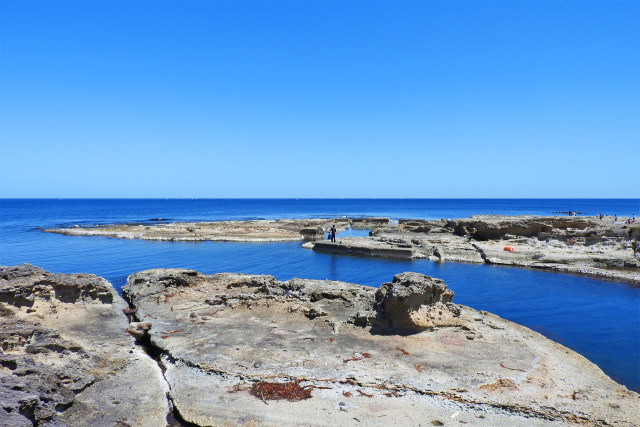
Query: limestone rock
x=280, y=230
x=65, y=356
x=415, y=302
x=368, y=222
x=224, y=336
x=367, y=247
x=581, y=245
x=139, y=329
x=603, y=245
x=481, y=229
x=310, y=234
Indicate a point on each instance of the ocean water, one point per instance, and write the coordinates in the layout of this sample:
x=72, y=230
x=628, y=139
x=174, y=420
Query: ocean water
x=598, y=319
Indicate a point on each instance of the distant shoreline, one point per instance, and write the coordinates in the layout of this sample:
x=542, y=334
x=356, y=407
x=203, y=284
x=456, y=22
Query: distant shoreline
x=587, y=246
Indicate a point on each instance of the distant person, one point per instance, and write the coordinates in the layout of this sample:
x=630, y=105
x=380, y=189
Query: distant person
x=634, y=218
x=333, y=233
x=615, y=218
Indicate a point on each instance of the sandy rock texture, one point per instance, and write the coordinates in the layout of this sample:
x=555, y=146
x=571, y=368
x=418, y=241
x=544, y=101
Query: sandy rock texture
x=250, y=350
x=582, y=245
x=225, y=231
x=65, y=358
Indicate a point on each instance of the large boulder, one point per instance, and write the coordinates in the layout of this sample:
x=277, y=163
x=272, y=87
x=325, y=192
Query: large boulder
x=414, y=302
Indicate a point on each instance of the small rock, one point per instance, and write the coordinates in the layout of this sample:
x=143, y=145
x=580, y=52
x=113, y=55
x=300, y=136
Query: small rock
x=313, y=312
x=139, y=329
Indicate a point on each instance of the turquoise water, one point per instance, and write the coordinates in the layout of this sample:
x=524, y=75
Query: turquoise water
x=600, y=320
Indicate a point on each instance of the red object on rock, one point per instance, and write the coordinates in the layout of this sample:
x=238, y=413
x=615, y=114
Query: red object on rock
x=508, y=248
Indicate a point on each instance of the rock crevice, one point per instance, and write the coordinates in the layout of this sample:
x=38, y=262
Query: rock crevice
x=349, y=344
x=66, y=357
x=213, y=349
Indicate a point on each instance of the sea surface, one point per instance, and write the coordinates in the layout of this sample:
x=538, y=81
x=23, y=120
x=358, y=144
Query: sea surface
x=598, y=319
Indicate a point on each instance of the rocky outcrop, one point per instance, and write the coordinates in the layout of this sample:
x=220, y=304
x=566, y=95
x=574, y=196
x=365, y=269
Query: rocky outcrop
x=487, y=230
x=366, y=247
x=581, y=245
x=225, y=231
x=65, y=358
x=220, y=231
x=250, y=349
x=368, y=222
x=586, y=246
x=413, y=302
x=311, y=234
x=494, y=227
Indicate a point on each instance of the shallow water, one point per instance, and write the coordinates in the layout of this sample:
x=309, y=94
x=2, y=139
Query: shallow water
x=598, y=319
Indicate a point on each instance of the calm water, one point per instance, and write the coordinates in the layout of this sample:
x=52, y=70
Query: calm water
x=600, y=320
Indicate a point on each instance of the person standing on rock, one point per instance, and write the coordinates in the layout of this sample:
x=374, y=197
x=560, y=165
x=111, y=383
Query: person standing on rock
x=333, y=233
x=636, y=247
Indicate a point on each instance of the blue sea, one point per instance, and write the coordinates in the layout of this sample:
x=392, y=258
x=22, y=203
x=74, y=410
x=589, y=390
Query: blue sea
x=598, y=319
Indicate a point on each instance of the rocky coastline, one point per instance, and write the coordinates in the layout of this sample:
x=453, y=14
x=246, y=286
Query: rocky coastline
x=251, y=231
x=65, y=357
x=184, y=348
x=590, y=246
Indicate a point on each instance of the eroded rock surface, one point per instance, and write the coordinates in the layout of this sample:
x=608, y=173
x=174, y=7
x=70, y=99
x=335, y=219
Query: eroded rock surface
x=582, y=245
x=414, y=302
x=247, y=349
x=65, y=358
x=225, y=231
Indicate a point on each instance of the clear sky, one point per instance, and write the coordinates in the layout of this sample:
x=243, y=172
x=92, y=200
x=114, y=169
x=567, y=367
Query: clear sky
x=320, y=99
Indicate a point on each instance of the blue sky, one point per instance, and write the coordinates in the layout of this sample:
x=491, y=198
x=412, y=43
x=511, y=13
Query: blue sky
x=320, y=99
